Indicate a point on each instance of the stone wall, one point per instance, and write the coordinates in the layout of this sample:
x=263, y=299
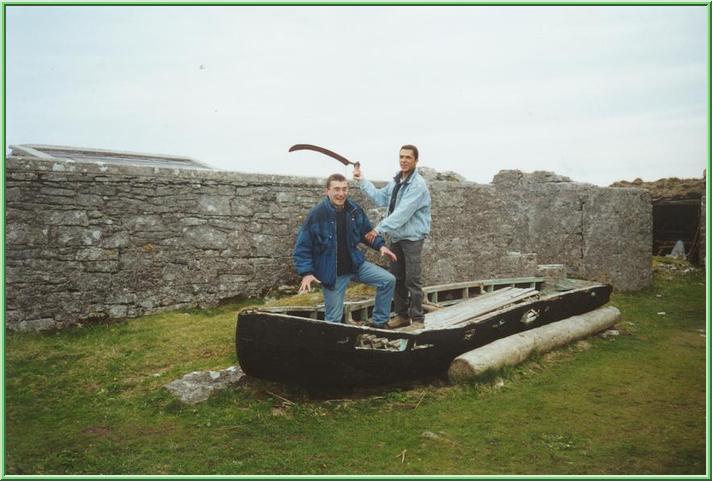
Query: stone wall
x=89, y=241
x=601, y=233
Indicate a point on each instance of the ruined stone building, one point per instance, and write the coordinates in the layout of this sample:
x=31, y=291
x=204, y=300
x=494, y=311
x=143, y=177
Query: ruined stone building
x=678, y=214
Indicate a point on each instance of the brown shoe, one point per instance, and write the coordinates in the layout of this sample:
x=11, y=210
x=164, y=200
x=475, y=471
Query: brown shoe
x=398, y=321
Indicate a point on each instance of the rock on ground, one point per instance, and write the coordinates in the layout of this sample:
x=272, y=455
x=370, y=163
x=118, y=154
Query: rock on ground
x=197, y=386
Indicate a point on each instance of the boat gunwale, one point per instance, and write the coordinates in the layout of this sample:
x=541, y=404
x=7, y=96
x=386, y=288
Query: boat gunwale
x=391, y=333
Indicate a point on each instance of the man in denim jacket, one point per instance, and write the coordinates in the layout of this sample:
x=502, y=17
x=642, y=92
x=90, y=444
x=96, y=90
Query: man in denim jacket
x=407, y=223
x=326, y=253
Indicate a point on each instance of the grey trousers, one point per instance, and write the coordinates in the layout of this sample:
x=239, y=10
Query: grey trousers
x=408, y=298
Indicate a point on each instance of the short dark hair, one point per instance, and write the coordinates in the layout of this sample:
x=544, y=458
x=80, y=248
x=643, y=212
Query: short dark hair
x=411, y=147
x=336, y=177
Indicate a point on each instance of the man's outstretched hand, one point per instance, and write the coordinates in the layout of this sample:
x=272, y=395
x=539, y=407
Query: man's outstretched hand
x=306, y=283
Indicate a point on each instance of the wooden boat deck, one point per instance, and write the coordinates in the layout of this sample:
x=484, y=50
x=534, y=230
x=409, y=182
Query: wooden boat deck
x=467, y=309
x=441, y=295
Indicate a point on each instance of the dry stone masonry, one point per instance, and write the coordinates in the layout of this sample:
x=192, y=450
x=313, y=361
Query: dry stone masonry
x=86, y=241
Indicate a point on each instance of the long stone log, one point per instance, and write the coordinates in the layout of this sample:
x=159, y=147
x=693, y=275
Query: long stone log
x=516, y=348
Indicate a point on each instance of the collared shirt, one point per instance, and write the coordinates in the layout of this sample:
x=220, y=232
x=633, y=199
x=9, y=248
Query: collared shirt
x=410, y=217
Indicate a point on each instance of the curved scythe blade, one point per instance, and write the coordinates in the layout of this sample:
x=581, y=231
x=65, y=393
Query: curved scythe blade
x=324, y=151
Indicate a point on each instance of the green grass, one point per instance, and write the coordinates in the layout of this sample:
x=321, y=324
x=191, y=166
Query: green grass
x=90, y=401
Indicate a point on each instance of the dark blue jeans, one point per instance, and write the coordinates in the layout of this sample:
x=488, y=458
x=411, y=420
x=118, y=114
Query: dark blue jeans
x=370, y=274
x=408, y=298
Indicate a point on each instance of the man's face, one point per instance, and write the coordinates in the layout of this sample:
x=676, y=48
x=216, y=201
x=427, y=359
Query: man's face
x=337, y=192
x=407, y=160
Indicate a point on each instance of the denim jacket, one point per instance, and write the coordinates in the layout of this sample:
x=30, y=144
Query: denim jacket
x=315, y=250
x=410, y=219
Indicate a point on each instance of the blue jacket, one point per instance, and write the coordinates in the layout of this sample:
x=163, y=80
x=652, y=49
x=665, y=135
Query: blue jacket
x=410, y=218
x=315, y=251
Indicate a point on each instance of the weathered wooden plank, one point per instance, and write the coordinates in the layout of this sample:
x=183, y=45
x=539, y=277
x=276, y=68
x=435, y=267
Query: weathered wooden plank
x=485, y=282
x=477, y=306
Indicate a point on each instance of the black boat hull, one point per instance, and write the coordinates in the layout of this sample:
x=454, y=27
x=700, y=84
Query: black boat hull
x=296, y=350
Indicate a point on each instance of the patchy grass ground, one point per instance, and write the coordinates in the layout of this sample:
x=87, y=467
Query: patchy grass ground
x=90, y=401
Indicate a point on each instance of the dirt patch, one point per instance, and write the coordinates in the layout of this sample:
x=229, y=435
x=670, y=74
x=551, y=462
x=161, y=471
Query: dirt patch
x=98, y=431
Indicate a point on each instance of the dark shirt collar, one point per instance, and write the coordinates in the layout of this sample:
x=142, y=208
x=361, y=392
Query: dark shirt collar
x=397, y=177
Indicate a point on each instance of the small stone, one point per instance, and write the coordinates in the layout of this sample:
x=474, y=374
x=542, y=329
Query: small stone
x=197, y=386
x=286, y=289
x=280, y=412
x=35, y=325
x=442, y=437
x=610, y=333
x=117, y=311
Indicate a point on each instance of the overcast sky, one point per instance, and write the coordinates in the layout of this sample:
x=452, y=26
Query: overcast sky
x=598, y=94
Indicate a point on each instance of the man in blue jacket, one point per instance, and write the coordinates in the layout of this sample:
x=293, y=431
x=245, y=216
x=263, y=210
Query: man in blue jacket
x=326, y=253
x=407, y=223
